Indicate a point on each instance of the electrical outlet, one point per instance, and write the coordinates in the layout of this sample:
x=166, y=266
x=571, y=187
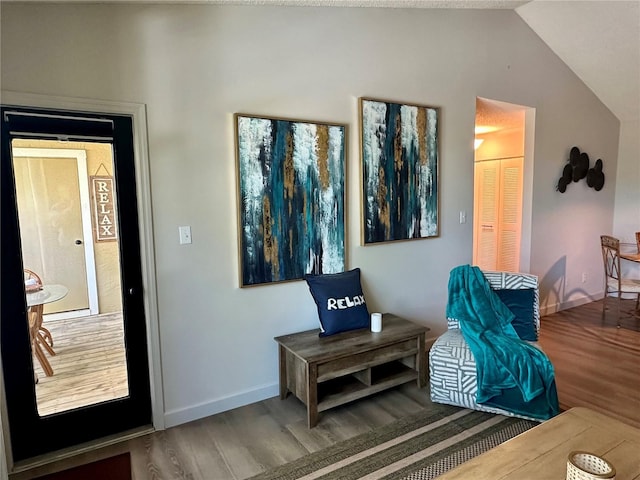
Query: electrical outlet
x=584, y=277
x=463, y=216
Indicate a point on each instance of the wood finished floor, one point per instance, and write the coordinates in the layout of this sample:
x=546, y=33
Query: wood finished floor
x=597, y=365
x=89, y=366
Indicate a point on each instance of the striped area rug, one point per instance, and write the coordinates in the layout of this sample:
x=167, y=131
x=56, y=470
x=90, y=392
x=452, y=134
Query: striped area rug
x=419, y=447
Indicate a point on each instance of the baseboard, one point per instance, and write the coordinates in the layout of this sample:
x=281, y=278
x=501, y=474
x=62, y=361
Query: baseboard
x=576, y=302
x=196, y=412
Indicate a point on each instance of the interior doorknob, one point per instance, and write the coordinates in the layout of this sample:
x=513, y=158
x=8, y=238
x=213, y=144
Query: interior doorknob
x=78, y=242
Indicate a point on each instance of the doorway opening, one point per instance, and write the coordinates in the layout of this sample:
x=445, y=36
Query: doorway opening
x=502, y=185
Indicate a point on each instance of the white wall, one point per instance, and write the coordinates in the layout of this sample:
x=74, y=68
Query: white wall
x=195, y=65
x=627, y=212
x=626, y=220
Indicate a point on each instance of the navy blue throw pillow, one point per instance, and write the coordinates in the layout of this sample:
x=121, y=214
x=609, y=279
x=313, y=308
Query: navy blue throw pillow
x=340, y=301
x=520, y=302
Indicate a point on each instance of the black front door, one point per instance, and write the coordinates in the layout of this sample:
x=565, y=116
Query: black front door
x=33, y=432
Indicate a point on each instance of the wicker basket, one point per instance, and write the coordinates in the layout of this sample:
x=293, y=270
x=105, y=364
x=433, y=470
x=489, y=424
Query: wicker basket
x=587, y=466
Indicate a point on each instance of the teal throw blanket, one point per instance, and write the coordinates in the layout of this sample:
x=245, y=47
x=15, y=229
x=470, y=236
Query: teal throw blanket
x=512, y=375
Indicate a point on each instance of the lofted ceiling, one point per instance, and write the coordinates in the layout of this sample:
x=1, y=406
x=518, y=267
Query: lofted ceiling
x=598, y=39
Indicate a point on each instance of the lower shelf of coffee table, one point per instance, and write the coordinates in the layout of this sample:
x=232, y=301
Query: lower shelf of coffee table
x=341, y=390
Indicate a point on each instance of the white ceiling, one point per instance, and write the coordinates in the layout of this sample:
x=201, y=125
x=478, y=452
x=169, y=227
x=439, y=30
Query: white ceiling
x=598, y=39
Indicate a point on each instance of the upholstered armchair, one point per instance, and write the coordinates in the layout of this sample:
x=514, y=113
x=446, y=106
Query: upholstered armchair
x=452, y=367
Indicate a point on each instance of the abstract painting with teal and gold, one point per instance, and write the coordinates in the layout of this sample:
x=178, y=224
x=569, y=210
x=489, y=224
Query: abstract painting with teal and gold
x=291, y=198
x=400, y=171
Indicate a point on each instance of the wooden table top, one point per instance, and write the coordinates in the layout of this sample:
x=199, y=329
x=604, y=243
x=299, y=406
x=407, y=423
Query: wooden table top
x=542, y=452
x=312, y=348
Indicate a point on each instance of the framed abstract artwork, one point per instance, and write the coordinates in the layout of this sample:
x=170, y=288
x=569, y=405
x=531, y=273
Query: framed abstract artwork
x=291, y=198
x=399, y=150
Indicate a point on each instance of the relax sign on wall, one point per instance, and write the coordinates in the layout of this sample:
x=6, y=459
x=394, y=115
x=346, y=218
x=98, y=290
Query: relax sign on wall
x=103, y=209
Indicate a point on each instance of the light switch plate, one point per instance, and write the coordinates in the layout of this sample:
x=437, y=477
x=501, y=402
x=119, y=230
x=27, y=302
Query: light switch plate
x=185, y=235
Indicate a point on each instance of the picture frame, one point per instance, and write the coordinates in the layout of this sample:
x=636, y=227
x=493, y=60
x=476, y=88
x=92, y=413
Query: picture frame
x=399, y=157
x=291, y=198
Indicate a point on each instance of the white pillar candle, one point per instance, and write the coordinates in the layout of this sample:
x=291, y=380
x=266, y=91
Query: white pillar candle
x=376, y=322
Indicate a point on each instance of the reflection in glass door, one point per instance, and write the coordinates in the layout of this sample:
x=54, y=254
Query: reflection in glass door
x=67, y=212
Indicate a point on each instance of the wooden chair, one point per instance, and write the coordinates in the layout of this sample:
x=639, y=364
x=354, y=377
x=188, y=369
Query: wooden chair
x=638, y=241
x=613, y=281
x=40, y=335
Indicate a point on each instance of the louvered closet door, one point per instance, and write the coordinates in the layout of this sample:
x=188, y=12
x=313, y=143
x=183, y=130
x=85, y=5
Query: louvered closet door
x=498, y=214
x=486, y=214
x=510, y=215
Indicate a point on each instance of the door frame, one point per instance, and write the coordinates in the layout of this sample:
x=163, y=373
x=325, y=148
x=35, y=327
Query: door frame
x=143, y=185
x=527, y=182
x=87, y=234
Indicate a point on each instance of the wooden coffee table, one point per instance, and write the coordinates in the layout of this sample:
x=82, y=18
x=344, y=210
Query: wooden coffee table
x=542, y=451
x=324, y=372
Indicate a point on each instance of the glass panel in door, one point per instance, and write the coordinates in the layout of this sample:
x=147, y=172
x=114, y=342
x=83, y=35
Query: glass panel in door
x=67, y=213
